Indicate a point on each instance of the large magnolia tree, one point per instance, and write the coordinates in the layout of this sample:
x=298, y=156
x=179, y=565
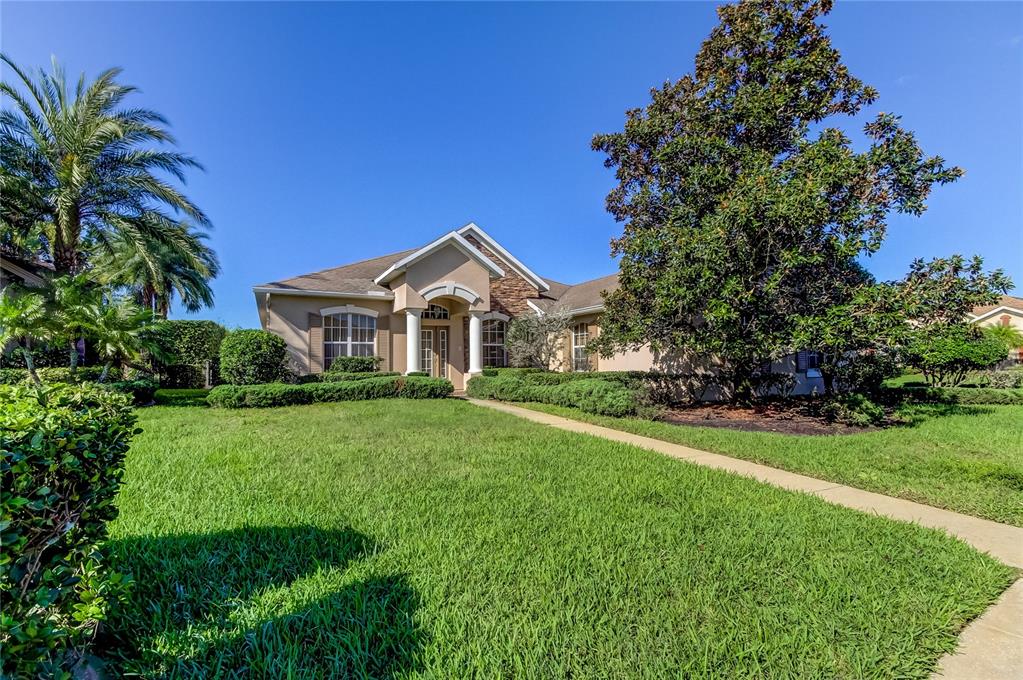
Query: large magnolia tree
x=742, y=199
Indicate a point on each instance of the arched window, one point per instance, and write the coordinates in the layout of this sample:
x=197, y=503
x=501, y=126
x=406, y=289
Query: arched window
x=494, y=353
x=348, y=335
x=435, y=312
x=580, y=358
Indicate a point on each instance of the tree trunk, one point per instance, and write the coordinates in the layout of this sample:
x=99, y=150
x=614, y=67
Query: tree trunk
x=31, y=365
x=73, y=355
x=829, y=382
x=105, y=372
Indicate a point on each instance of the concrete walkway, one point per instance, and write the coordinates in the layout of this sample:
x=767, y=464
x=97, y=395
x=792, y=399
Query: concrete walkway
x=990, y=647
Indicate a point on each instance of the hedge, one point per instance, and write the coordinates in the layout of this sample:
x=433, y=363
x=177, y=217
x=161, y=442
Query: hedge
x=63, y=456
x=189, y=345
x=354, y=364
x=959, y=395
x=591, y=395
x=57, y=374
x=252, y=357
x=375, y=387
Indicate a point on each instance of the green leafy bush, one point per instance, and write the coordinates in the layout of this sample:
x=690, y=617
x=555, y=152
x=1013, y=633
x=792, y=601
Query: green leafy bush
x=186, y=347
x=853, y=409
x=57, y=374
x=252, y=357
x=418, y=374
x=375, y=387
x=947, y=357
x=63, y=453
x=141, y=390
x=354, y=364
x=592, y=395
x=866, y=372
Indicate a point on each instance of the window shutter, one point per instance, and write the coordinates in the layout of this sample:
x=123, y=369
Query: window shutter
x=315, y=343
x=801, y=361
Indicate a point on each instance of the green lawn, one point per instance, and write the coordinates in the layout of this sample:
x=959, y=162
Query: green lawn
x=438, y=539
x=964, y=458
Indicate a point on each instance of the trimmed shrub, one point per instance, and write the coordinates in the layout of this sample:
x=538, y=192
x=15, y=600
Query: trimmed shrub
x=591, y=395
x=341, y=377
x=373, y=387
x=252, y=357
x=354, y=364
x=63, y=454
x=180, y=397
x=418, y=374
x=959, y=395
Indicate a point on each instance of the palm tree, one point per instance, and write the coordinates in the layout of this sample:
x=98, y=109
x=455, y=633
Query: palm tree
x=115, y=327
x=86, y=171
x=185, y=271
x=26, y=316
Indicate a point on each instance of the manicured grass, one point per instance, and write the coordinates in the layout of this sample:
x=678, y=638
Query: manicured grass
x=964, y=458
x=437, y=539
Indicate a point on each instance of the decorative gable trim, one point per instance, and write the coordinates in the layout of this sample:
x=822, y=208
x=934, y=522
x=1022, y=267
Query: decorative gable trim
x=1002, y=309
x=451, y=238
x=507, y=257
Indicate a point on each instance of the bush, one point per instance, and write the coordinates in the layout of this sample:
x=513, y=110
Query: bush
x=591, y=395
x=141, y=390
x=252, y=357
x=374, y=387
x=338, y=376
x=188, y=346
x=354, y=364
x=180, y=397
x=853, y=409
x=866, y=372
x=418, y=374
x=958, y=395
x=946, y=357
x=63, y=454
x=57, y=374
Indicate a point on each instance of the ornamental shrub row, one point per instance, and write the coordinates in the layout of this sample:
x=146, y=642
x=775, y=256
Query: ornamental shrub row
x=375, y=387
x=339, y=376
x=63, y=454
x=591, y=395
x=960, y=395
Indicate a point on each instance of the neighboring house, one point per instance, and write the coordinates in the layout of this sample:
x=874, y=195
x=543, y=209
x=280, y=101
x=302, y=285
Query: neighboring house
x=442, y=309
x=1008, y=311
x=22, y=272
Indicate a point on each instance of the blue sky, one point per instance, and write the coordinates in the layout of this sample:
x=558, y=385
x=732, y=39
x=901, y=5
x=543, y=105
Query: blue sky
x=334, y=132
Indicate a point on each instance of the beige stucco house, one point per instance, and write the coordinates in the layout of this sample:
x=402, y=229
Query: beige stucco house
x=443, y=308
x=1008, y=311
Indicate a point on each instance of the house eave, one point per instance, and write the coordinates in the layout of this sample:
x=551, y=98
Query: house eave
x=368, y=295
x=452, y=238
x=522, y=269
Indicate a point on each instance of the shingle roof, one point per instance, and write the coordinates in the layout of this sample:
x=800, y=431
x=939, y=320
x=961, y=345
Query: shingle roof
x=1004, y=301
x=356, y=277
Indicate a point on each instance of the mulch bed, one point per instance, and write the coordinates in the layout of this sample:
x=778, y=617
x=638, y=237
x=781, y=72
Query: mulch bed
x=783, y=418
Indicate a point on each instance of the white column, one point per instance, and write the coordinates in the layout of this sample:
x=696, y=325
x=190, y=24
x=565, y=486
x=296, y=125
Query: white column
x=475, y=342
x=412, y=340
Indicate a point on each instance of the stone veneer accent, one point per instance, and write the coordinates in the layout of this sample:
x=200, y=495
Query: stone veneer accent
x=509, y=293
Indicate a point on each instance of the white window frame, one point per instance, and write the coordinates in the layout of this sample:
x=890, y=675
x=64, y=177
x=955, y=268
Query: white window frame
x=436, y=312
x=490, y=328
x=580, y=357
x=349, y=319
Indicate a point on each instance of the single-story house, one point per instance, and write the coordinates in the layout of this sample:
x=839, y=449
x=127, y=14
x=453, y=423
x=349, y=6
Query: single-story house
x=1008, y=311
x=443, y=308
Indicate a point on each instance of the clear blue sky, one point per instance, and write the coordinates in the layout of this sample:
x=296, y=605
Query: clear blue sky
x=335, y=132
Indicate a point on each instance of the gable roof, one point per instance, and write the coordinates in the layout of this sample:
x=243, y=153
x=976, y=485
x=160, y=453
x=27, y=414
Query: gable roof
x=1005, y=302
x=452, y=238
x=525, y=272
x=355, y=278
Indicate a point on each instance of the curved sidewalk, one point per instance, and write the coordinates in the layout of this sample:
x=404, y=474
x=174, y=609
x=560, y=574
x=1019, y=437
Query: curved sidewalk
x=990, y=647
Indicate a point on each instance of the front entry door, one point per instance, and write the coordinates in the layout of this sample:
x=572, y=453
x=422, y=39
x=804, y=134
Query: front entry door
x=433, y=348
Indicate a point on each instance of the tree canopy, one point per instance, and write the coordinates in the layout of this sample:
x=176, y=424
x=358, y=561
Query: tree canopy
x=745, y=206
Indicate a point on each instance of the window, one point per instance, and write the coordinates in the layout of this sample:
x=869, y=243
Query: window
x=580, y=358
x=435, y=312
x=807, y=361
x=494, y=353
x=348, y=335
x=426, y=351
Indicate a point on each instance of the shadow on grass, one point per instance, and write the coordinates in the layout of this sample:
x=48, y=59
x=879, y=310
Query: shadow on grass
x=180, y=397
x=916, y=413
x=239, y=603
